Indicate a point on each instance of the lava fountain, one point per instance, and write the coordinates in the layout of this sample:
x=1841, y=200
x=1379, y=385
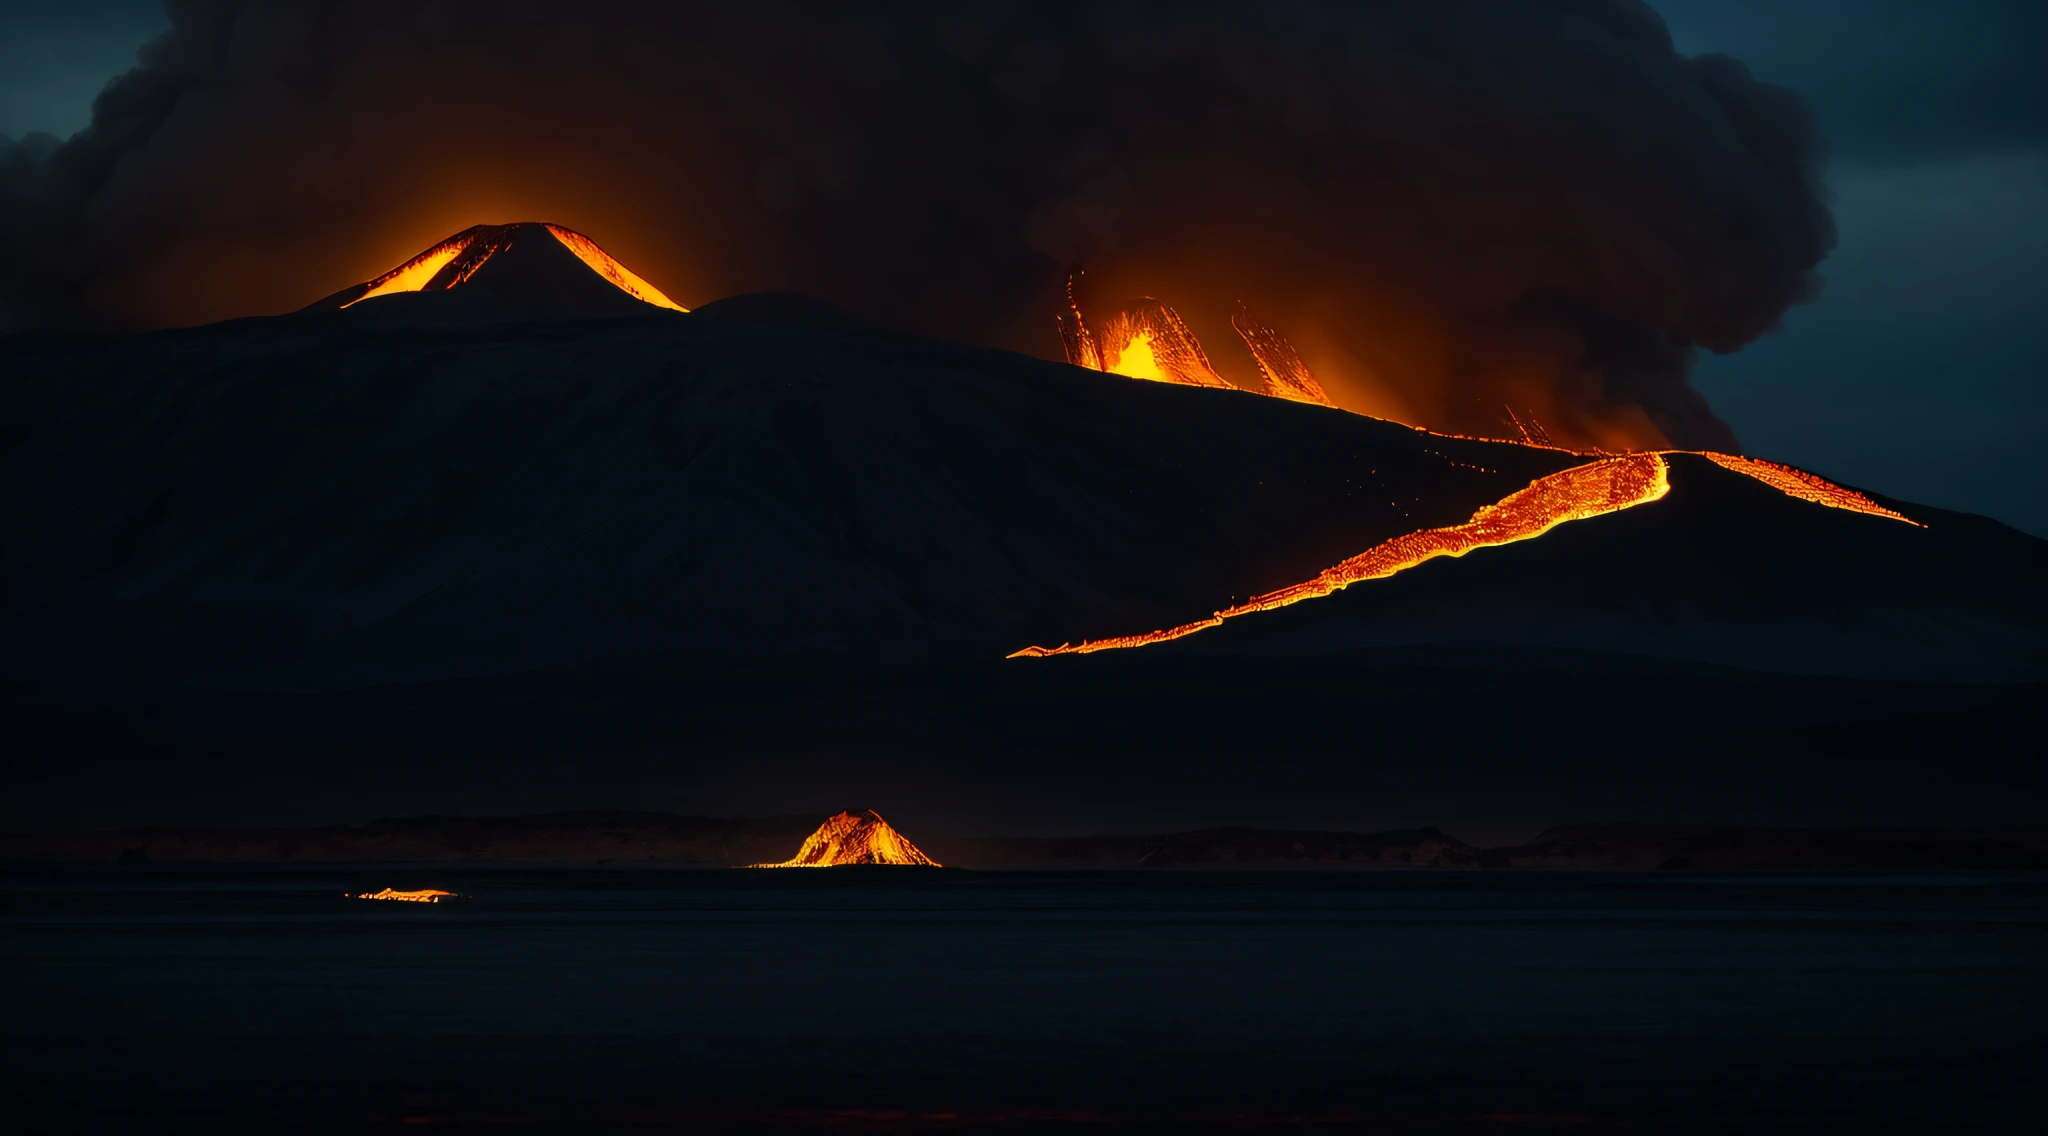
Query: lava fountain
x=1147, y=340
x=1285, y=374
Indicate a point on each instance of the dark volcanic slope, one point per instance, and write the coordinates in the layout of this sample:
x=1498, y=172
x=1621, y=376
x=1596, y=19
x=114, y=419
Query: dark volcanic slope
x=315, y=502
x=301, y=504
x=325, y=567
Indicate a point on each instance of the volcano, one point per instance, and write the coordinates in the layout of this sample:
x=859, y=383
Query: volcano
x=759, y=545
x=529, y=269
x=845, y=839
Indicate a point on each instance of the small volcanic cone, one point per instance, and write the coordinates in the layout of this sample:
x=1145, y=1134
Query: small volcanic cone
x=528, y=268
x=848, y=839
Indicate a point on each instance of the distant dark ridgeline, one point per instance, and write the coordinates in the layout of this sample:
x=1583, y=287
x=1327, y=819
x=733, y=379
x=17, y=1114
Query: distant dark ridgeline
x=579, y=837
x=1595, y=847
x=715, y=842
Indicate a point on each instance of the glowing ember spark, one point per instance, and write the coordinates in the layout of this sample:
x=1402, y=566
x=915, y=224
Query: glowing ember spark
x=1286, y=376
x=458, y=258
x=425, y=895
x=848, y=839
x=1575, y=494
x=1805, y=486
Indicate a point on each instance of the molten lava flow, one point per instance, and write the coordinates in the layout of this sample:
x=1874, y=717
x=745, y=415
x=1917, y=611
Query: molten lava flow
x=1805, y=486
x=426, y=895
x=849, y=839
x=490, y=240
x=602, y=263
x=414, y=274
x=1575, y=494
x=1286, y=376
x=455, y=260
x=1152, y=342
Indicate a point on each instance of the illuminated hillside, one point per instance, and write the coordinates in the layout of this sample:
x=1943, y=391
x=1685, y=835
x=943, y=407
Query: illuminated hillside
x=480, y=252
x=845, y=839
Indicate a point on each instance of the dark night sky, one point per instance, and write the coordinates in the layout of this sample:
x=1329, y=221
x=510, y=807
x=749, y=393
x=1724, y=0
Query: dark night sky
x=1919, y=371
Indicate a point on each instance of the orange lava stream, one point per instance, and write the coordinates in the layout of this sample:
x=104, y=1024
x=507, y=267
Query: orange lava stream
x=1591, y=490
x=415, y=274
x=602, y=263
x=848, y=839
x=1153, y=342
x=455, y=260
x=490, y=240
x=426, y=895
x=1805, y=486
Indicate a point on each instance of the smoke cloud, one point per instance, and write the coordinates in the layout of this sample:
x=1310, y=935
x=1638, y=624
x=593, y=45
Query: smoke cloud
x=1452, y=207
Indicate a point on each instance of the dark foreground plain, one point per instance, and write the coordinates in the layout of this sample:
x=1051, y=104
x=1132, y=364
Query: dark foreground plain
x=209, y=998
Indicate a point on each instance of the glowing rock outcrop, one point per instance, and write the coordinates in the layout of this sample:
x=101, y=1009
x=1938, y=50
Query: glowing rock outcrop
x=1590, y=490
x=454, y=261
x=424, y=895
x=848, y=839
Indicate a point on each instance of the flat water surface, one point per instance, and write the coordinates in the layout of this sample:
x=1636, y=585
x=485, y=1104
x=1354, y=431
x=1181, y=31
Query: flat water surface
x=217, y=997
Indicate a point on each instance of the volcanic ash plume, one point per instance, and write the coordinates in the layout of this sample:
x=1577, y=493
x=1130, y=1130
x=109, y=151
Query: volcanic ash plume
x=1456, y=211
